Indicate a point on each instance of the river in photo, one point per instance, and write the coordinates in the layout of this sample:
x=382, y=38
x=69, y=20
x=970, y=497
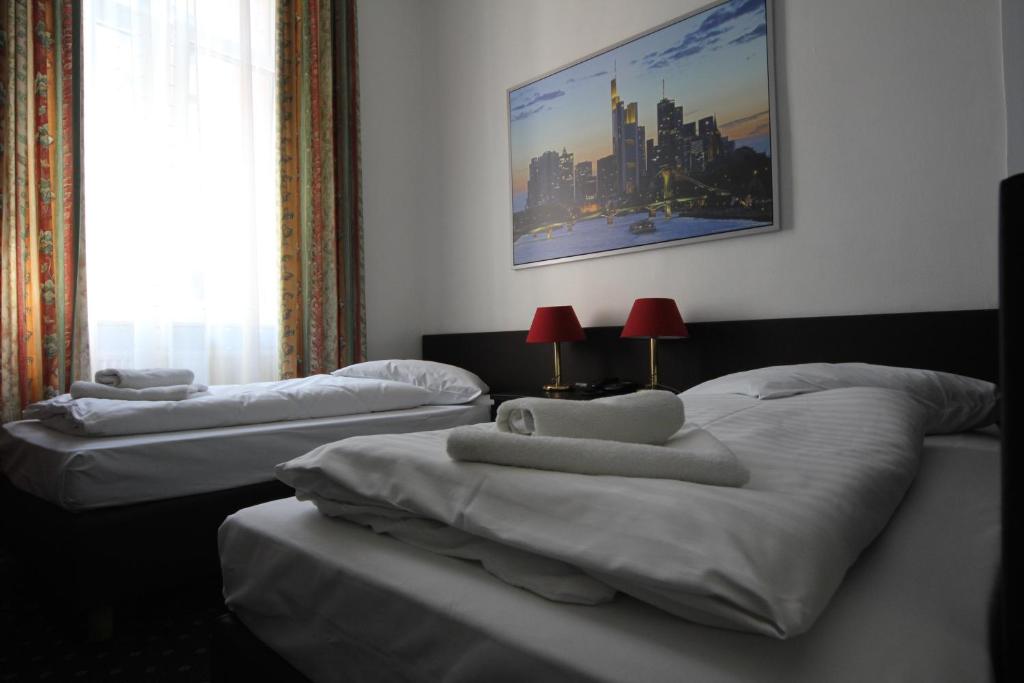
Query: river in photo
x=595, y=235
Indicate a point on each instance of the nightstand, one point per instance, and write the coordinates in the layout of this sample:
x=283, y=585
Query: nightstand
x=501, y=396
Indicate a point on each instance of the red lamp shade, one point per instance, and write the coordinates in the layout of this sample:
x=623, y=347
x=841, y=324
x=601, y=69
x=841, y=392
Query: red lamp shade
x=555, y=324
x=655, y=318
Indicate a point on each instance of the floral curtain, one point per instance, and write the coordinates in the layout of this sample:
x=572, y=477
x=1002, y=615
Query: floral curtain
x=323, y=318
x=43, y=332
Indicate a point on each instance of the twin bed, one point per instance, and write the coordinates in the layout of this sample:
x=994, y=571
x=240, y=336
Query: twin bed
x=103, y=515
x=858, y=551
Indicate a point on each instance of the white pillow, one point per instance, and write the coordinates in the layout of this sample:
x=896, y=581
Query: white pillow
x=955, y=403
x=448, y=384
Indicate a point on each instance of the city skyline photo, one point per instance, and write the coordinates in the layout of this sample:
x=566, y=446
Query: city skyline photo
x=664, y=138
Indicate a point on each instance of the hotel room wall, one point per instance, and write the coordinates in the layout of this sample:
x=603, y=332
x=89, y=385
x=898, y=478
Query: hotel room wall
x=1013, y=78
x=397, y=48
x=892, y=132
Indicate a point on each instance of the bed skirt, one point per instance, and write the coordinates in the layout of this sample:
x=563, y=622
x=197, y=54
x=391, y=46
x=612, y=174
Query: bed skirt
x=97, y=558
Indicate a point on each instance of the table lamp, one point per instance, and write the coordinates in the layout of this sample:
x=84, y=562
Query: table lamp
x=655, y=319
x=554, y=324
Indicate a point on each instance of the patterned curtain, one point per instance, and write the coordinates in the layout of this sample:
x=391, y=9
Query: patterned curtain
x=323, y=317
x=43, y=331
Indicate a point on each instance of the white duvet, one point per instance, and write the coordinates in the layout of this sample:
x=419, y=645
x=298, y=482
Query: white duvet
x=228, y=405
x=827, y=471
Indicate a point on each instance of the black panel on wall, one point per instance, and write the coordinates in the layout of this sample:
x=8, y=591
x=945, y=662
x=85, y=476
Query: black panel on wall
x=964, y=342
x=1010, y=603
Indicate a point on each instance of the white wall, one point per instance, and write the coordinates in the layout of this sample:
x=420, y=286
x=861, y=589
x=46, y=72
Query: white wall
x=397, y=41
x=893, y=138
x=1013, y=78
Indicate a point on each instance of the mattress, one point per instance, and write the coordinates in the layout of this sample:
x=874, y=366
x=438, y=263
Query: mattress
x=84, y=473
x=333, y=598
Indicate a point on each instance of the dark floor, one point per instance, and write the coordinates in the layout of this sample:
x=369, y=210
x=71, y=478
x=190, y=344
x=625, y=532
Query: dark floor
x=166, y=638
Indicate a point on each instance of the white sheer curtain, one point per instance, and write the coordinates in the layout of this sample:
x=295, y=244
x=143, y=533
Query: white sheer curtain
x=180, y=183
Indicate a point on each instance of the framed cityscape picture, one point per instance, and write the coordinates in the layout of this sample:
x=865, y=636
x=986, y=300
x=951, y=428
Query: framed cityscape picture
x=663, y=139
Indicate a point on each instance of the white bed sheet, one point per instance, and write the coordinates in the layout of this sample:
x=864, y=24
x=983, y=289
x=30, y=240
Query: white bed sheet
x=83, y=473
x=827, y=470
x=336, y=599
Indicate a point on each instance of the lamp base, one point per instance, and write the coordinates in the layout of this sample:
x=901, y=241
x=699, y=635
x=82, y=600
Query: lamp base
x=556, y=387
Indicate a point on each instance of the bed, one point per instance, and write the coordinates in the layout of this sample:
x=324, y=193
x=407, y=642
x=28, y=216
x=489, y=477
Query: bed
x=314, y=598
x=109, y=517
x=78, y=473
x=339, y=601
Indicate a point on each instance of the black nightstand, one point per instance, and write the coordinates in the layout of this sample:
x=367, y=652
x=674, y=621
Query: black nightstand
x=501, y=396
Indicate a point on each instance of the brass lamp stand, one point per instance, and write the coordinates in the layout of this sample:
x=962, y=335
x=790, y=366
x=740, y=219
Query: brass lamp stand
x=654, y=364
x=557, y=384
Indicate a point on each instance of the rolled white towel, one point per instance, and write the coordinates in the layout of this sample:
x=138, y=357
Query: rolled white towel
x=691, y=455
x=177, y=392
x=145, y=378
x=649, y=417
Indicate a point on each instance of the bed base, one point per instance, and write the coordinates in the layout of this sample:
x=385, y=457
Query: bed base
x=89, y=561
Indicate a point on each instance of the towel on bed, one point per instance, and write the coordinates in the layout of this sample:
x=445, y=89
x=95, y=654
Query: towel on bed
x=178, y=392
x=691, y=455
x=145, y=378
x=648, y=417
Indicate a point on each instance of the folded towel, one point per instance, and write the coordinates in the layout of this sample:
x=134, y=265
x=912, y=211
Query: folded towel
x=649, y=417
x=144, y=379
x=691, y=455
x=177, y=392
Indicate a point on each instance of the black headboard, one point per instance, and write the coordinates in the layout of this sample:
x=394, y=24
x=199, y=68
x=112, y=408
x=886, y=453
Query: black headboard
x=964, y=342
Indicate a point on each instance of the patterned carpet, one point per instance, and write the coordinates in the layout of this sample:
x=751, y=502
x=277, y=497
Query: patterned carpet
x=166, y=639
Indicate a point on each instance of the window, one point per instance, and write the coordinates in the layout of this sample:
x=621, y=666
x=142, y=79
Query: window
x=180, y=186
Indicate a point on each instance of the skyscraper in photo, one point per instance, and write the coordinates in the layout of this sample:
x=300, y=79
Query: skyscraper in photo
x=607, y=179
x=585, y=185
x=666, y=131
x=707, y=126
x=631, y=151
x=545, y=180
x=641, y=147
x=653, y=160
x=565, y=178
x=627, y=143
x=618, y=123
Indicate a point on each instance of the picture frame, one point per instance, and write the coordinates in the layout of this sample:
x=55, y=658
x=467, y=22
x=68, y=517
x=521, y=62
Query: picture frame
x=681, y=157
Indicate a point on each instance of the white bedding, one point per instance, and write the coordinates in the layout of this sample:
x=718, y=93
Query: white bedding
x=338, y=601
x=83, y=473
x=228, y=405
x=827, y=471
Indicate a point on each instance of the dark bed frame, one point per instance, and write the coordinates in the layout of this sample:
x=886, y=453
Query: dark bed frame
x=88, y=562
x=964, y=342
